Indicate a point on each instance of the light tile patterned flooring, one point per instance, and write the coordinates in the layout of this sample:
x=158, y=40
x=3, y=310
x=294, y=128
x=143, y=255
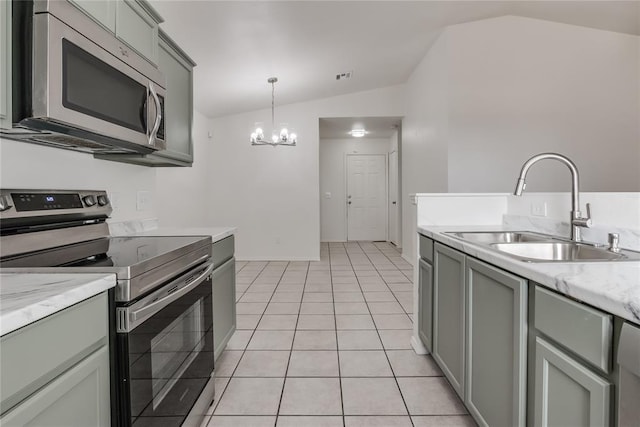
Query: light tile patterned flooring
x=327, y=344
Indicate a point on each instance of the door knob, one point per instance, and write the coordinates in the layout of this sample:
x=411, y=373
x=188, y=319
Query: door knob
x=393, y=203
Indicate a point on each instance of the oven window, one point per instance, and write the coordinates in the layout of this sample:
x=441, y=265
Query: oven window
x=175, y=348
x=93, y=87
x=166, y=361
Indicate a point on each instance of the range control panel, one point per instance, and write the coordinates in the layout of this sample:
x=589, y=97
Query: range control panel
x=28, y=203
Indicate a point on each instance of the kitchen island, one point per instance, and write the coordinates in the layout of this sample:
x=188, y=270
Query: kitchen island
x=544, y=337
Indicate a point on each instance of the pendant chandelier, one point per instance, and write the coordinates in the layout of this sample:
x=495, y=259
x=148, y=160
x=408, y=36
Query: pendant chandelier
x=278, y=137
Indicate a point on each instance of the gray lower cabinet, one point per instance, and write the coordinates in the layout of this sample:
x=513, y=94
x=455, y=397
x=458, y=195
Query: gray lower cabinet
x=224, y=305
x=55, y=372
x=496, y=345
x=566, y=392
x=79, y=397
x=449, y=314
x=425, y=301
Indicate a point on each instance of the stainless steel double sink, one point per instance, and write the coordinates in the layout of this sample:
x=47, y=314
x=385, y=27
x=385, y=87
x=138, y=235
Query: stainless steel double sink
x=536, y=247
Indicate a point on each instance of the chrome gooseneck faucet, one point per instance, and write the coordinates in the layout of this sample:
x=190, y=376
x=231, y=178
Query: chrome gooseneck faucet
x=577, y=221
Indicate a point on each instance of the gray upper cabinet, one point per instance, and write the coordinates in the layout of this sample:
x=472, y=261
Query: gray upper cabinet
x=5, y=65
x=177, y=68
x=425, y=302
x=496, y=348
x=102, y=11
x=135, y=22
x=566, y=392
x=449, y=314
x=137, y=25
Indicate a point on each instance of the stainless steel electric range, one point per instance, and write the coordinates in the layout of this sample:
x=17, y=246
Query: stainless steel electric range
x=162, y=340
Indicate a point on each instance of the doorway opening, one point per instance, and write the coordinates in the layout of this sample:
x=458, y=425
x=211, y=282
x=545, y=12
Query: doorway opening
x=360, y=185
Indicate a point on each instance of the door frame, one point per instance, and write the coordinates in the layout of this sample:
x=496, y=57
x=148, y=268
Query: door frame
x=386, y=191
x=397, y=205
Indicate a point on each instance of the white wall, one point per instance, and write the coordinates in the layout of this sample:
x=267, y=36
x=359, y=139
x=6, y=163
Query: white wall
x=183, y=192
x=424, y=135
x=521, y=86
x=333, y=152
x=489, y=94
x=29, y=166
x=272, y=193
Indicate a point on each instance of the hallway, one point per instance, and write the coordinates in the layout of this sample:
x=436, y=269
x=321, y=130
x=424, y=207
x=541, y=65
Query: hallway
x=327, y=344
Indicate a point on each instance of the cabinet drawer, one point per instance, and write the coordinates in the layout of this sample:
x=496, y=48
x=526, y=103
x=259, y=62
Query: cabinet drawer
x=34, y=355
x=77, y=398
x=426, y=248
x=223, y=250
x=581, y=329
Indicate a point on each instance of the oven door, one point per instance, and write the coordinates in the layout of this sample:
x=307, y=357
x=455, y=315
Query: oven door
x=77, y=83
x=165, y=353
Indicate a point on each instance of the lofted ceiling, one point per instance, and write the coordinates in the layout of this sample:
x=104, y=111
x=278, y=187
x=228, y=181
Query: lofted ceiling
x=239, y=44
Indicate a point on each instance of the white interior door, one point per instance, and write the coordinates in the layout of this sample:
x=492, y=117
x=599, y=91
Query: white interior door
x=366, y=197
x=393, y=197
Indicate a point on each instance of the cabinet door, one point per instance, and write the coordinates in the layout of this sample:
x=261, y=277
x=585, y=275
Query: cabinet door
x=448, y=315
x=425, y=304
x=5, y=65
x=178, y=108
x=102, y=11
x=224, y=305
x=566, y=392
x=496, y=345
x=79, y=397
x=137, y=27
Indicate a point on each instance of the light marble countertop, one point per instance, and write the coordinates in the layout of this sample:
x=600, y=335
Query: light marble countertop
x=26, y=298
x=216, y=233
x=613, y=287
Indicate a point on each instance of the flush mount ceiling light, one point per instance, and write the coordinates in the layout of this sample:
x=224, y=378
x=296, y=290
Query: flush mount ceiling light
x=358, y=133
x=278, y=137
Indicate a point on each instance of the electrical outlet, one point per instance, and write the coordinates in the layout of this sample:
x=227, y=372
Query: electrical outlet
x=539, y=209
x=143, y=200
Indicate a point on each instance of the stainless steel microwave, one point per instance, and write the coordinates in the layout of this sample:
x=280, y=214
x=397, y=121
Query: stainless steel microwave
x=77, y=86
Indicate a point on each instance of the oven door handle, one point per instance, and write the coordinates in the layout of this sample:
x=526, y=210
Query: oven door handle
x=135, y=318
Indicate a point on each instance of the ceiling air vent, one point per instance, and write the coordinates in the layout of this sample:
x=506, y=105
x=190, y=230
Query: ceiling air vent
x=344, y=76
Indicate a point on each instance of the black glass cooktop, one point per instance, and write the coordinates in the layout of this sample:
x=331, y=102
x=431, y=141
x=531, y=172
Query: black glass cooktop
x=114, y=252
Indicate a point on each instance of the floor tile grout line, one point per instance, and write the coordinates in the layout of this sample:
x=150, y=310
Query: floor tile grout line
x=386, y=355
x=250, y=338
x=215, y=406
x=335, y=324
x=385, y=282
x=293, y=340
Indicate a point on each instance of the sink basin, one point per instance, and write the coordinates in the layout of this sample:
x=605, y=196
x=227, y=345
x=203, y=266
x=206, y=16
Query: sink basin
x=562, y=252
x=488, y=237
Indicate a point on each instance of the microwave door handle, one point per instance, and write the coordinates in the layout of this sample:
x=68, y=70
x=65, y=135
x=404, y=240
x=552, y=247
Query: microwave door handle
x=158, y=118
x=145, y=312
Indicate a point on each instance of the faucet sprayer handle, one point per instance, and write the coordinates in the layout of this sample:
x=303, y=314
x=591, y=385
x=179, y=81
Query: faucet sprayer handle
x=584, y=221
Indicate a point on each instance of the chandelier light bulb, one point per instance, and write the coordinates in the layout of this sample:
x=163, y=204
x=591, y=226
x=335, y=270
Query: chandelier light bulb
x=278, y=137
